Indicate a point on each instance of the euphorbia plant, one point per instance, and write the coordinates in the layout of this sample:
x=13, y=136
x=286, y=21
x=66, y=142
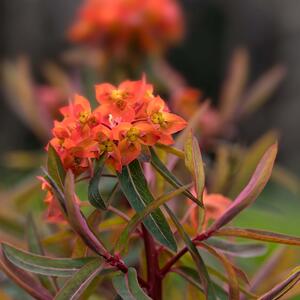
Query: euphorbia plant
x=125, y=140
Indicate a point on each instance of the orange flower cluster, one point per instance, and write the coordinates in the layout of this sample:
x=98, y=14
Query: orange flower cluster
x=128, y=117
x=119, y=24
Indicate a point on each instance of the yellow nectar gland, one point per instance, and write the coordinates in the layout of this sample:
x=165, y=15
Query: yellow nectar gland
x=118, y=96
x=158, y=118
x=83, y=117
x=106, y=146
x=149, y=94
x=133, y=134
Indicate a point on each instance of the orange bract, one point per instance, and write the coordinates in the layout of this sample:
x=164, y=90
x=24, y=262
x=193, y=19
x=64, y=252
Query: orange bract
x=146, y=24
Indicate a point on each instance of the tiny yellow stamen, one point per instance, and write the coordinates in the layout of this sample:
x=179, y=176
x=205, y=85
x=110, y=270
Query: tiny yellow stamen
x=158, y=118
x=149, y=94
x=117, y=95
x=133, y=134
x=106, y=146
x=83, y=117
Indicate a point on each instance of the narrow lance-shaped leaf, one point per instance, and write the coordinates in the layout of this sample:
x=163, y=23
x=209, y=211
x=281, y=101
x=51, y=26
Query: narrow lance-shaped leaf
x=24, y=280
x=127, y=286
x=76, y=285
x=260, y=235
x=233, y=283
x=95, y=196
x=193, y=161
x=167, y=175
x=76, y=219
x=237, y=249
x=234, y=83
x=249, y=160
x=248, y=195
x=80, y=248
x=35, y=246
x=181, y=137
x=203, y=274
x=135, y=188
x=55, y=167
x=57, y=191
x=262, y=89
x=282, y=288
x=192, y=276
x=123, y=240
x=62, y=267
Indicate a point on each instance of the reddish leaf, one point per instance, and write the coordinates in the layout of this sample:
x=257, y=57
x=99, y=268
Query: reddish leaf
x=282, y=288
x=76, y=218
x=249, y=194
x=260, y=235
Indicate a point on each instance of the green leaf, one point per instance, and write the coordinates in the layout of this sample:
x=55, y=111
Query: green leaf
x=26, y=281
x=225, y=279
x=233, y=283
x=165, y=173
x=203, y=274
x=249, y=194
x=193, y=161
x=260, y=235
x=76, y=285
x=55, y=167
x=123, y=240
x=237, y=249
x=135, y=188
x=62, y=267
x=192, y=277
x=127, y=286
x=94, y=194
x=35, y=247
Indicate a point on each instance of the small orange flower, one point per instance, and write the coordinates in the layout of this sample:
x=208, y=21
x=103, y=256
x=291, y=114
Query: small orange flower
x=118, y=102
x=166, y=123
x=131, y=137
x=106, y=146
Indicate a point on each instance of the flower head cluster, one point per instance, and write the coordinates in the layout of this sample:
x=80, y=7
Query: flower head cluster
x=119, y=24
x=128, y=117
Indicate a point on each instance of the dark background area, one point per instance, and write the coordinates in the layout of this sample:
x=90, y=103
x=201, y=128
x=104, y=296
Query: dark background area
x=270, y=30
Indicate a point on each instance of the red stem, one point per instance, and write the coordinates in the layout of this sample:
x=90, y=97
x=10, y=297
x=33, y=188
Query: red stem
x=153, y=273
x=167, y=267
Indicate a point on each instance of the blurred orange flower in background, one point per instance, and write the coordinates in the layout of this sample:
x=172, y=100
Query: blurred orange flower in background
x=147, y=25
x=215, y=205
